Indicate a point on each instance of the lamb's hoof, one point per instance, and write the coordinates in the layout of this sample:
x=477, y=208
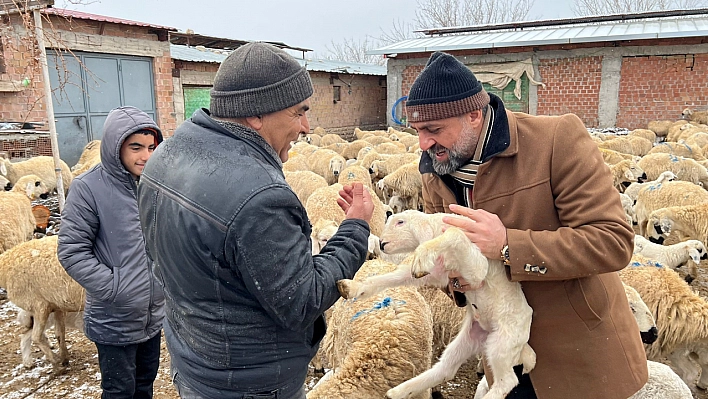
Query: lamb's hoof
x=689, y=278
x=65, y=362
x=28, y=365
x=437, y=395
x=480, y=375
x=319, y=372
x=347, y=288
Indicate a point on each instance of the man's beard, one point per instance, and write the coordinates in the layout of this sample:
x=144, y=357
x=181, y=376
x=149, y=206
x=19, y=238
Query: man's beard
x=460, y=153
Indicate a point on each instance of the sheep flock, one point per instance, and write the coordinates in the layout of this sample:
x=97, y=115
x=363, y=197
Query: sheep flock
x=399, y=332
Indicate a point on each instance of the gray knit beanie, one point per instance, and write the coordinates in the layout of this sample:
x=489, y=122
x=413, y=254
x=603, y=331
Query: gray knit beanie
x=445, y=88
x=258, y=79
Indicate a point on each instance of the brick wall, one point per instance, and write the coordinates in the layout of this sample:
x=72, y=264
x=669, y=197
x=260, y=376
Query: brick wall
x=660, y=87
x=28, y=104
x=409, y=74
x=572, y=86
x=364, y=108
x=22, y=146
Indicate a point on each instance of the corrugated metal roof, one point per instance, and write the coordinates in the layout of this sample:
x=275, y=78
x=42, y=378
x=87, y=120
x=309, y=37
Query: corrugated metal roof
x=194, y=54
x=657, y=28
x=66, y=13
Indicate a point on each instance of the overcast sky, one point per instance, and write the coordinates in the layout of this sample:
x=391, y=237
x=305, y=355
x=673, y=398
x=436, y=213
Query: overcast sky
x=311, y=24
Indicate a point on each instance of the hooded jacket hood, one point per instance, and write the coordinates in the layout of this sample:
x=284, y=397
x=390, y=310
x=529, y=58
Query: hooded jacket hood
x=121, y=123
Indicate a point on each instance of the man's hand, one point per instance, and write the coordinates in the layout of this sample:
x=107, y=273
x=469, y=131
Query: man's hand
x=484, y=229
x=356, y=202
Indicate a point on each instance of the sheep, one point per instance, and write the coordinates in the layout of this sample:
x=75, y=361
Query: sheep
x=5, y=184
x=690, y=221
x=681, y=317
x=640, y=145
x=31, y=186
x=17, y=223
x=684, y=168
x=391, y=148
x=310, y=138
x=41, y=166
x=666, y=194
x=680, y=149
x=661, y=128
x=37, y=283
x=379, y=168
x=673, y=256
x=496, y=300
x=304, y=183
x=397, y=203
x=376, y=140
x=695, y=116
x=322, y=231
x=676, y=128
x=355, y=173
x=319, y=131
x=619, y=144
x=302, y=148
x=90, y=157
x=612, y=157
x=633, y=189
x=322, y=205
x=361, y=133
x=626, y=172
x=628, y=206
x=663, y=383
x=406, y=182
x=326, y=163
x=352, y=150
x=331, y=138
x=72, y=320
x=645, y=133
x=388, y=335
x=296, y=163
x=339, y=148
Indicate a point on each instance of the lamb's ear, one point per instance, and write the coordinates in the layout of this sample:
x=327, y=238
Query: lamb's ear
x=315, y=247
x=628, y=174
x=29, y=189
x=695, y=256
x=3, y=168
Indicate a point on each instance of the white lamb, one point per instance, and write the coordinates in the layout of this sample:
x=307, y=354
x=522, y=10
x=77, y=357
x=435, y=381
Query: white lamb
x=495, y=303
x=326, y=163
x=41, y=166
x=37, y=283
x=625, y=173
x=17, y=223
x=673, y=256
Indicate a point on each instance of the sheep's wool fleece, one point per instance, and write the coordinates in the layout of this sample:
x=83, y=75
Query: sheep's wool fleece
x=258, y=79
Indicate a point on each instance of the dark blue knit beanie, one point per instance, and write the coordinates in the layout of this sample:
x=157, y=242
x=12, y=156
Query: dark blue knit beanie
x=444, y=89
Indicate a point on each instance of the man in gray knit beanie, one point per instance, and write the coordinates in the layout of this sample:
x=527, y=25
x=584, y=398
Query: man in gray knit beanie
x=230, y=240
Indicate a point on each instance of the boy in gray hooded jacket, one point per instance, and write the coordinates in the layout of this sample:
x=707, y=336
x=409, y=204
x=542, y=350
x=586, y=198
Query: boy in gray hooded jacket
x=102, y=247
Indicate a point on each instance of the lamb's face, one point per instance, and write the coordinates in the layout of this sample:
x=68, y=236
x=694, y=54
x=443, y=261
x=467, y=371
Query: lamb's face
x=634, y=174
x=696, y=250
x=321, y=233
x=398, y=235
x=336, y=165
x=686, y=113
x=660, y=226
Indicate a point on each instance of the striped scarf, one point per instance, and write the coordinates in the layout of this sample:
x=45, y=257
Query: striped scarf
x=467, y=173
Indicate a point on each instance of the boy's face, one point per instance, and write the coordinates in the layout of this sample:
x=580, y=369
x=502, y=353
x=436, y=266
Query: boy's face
x=135, y=151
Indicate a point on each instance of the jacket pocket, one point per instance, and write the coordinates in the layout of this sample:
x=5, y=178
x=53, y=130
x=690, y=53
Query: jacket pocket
x=116, y=282
x=588, y=298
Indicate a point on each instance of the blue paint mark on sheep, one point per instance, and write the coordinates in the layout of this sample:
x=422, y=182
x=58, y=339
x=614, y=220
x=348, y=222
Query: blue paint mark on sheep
x=673, y=158
x=386, y=302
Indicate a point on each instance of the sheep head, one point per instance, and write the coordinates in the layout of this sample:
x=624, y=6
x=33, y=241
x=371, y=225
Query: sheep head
x=642, y=314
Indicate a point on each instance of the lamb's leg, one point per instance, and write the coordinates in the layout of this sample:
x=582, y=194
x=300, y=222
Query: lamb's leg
x=350, y=289
x=466, y=344
x=26, y=348
x=40, y=322
x=450, y=251
x=503, y=352
x=60, y=332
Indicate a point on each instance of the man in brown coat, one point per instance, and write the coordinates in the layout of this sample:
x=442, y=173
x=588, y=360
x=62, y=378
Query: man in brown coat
x=537, y=195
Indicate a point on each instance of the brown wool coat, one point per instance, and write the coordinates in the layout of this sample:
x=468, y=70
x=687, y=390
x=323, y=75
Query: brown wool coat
x=554, y=194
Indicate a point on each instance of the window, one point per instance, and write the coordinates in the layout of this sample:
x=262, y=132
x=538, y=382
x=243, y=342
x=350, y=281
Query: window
x=337, y=93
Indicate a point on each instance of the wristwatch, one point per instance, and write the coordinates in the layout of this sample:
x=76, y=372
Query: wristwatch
x=505, y=256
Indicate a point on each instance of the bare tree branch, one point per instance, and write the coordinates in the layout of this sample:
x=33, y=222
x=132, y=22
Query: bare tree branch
x=398, y=32
x=354, y=51
x=604, y=7
x=447, y=13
